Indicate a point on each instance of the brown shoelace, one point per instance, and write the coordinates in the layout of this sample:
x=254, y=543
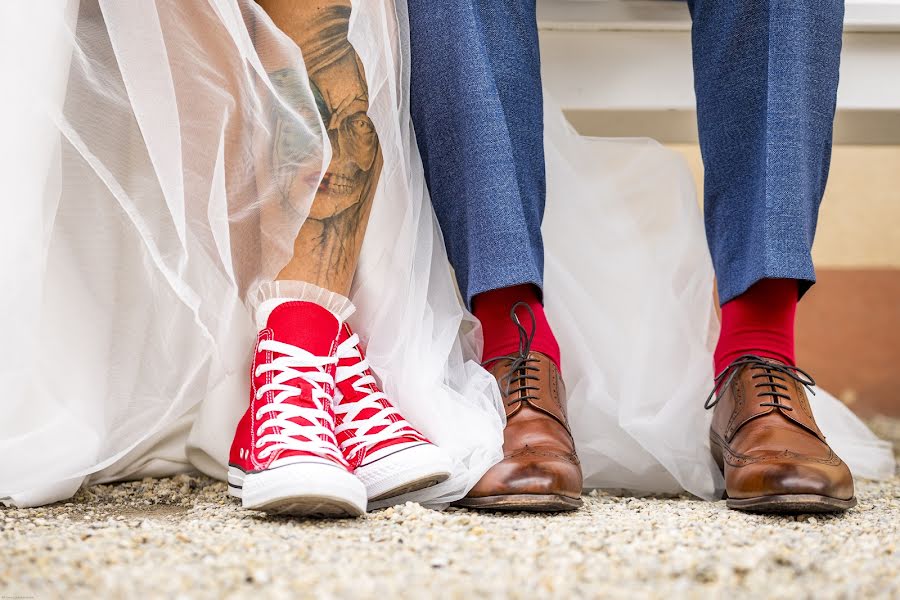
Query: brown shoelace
x=518, y=376
x=771, y=389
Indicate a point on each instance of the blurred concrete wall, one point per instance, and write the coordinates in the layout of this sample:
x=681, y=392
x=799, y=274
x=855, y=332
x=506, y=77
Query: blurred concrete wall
x=623, y=68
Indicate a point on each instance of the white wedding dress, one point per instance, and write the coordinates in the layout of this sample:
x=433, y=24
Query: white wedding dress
x=140, y=211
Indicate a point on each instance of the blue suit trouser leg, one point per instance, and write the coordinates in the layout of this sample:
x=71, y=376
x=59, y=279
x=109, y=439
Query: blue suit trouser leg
x=477, y=108
x=765, y=75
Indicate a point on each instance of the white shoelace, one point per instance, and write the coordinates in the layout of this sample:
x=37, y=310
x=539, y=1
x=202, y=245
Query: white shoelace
x=278, y=431
x=372, y=400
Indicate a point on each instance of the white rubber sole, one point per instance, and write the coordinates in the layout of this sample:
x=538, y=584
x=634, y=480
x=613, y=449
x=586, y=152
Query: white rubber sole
x=300, y=489
x=405, y=471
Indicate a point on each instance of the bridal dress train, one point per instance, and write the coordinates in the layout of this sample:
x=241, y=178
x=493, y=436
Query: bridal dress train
x=143, y=162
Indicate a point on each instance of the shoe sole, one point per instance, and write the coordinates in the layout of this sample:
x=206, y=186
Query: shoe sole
x=522, y=502
x=791, y=504
x=405, y=471
x=300, y=489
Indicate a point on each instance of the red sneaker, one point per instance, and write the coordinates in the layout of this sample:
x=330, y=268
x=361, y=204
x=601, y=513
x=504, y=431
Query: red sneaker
x=388, y=454
x=284, y=457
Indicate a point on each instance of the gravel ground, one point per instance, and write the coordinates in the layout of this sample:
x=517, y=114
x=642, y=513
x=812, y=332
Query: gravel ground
x=183, y=537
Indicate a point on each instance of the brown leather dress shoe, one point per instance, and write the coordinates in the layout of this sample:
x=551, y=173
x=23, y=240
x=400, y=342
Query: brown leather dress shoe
x=767, y=443
x=540, y=471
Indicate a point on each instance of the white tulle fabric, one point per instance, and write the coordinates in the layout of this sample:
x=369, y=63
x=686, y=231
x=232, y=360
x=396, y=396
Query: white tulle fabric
x=628, y=291
x=142, y=215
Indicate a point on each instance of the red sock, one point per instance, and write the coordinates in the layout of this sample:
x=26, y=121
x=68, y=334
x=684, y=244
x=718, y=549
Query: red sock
x=501, y=336
x=760, y=321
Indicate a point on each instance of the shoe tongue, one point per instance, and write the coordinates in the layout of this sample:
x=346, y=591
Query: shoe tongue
x=344, y=333
x=302, y=324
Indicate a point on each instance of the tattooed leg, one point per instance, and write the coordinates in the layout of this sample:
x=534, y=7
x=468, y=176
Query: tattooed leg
x=327, y=248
